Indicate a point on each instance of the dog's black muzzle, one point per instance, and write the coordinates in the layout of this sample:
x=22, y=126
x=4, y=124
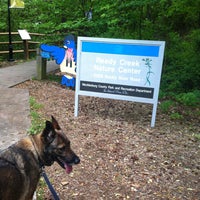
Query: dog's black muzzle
x=62, y=161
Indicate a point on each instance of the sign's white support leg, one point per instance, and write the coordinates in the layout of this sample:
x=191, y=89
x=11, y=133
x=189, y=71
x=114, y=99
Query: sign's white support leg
x=153, y=117
x=76, y=105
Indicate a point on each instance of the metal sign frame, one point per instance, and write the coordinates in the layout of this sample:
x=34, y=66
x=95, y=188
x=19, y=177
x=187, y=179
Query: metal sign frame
x=120, y=69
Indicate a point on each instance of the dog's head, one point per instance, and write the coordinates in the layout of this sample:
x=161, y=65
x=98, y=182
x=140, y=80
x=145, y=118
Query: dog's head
x=57, y=147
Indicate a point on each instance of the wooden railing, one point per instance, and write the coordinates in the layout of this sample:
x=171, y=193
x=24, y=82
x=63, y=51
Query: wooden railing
x=25, y=44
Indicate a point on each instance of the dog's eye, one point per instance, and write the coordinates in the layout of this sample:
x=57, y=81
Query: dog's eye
x=61, y=149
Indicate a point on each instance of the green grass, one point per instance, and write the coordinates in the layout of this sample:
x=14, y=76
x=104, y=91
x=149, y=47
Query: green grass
x=176, y=115
x=51, y=77
x=33, y=104
x=40, y=189
x=54, y=78
x=166, y=105
x=37, y=122
x=37, y=125
x=189, y=99
x=197, y=136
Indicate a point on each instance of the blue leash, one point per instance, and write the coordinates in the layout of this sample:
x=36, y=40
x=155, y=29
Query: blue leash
x=53, y=192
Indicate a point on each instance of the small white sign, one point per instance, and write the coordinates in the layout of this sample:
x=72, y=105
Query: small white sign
x=24, y=34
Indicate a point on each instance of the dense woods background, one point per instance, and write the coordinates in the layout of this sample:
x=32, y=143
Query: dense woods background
x=174, y=21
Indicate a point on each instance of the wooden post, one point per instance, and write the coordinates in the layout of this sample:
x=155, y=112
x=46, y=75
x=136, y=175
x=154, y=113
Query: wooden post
x=41, y=66
x=26, y=53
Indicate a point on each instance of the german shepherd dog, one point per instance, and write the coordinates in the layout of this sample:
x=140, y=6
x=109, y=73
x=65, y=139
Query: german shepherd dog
x=21, y=163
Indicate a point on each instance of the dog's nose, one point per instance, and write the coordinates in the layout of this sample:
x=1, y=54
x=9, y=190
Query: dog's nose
x=76, y=160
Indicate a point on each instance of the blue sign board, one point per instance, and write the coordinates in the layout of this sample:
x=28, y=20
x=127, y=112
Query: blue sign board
x=119, y=69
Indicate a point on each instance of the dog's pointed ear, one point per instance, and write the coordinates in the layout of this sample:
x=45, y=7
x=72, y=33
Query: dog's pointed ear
x=55, y=123
x=48, y=133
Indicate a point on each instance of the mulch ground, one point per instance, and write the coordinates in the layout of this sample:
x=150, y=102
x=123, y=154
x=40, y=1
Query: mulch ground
x=122, y=157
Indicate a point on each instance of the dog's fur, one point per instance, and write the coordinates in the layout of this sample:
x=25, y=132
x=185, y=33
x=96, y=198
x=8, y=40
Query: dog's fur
x=21, y=163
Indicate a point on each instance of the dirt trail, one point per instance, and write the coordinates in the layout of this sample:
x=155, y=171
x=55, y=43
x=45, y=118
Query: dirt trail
x=122, y=157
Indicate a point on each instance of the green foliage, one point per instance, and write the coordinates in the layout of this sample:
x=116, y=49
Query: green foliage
x=176, y=22
x=181, y=71
x=37, y=123
x=34, y=105
x=197, y=136
x=166, y=105
x=54, y=78
x=176, y=116
x=189, y=99
x=41, y=189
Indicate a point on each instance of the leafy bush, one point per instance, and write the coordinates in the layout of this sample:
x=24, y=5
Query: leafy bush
x=189, y=99
x=176, y=115
x=166, y=105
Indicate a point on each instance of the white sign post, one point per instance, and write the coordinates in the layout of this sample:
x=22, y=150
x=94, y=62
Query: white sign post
x=127, y=70
x=24, y=34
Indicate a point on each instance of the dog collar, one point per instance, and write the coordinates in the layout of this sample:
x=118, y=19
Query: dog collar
x=40, y=163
